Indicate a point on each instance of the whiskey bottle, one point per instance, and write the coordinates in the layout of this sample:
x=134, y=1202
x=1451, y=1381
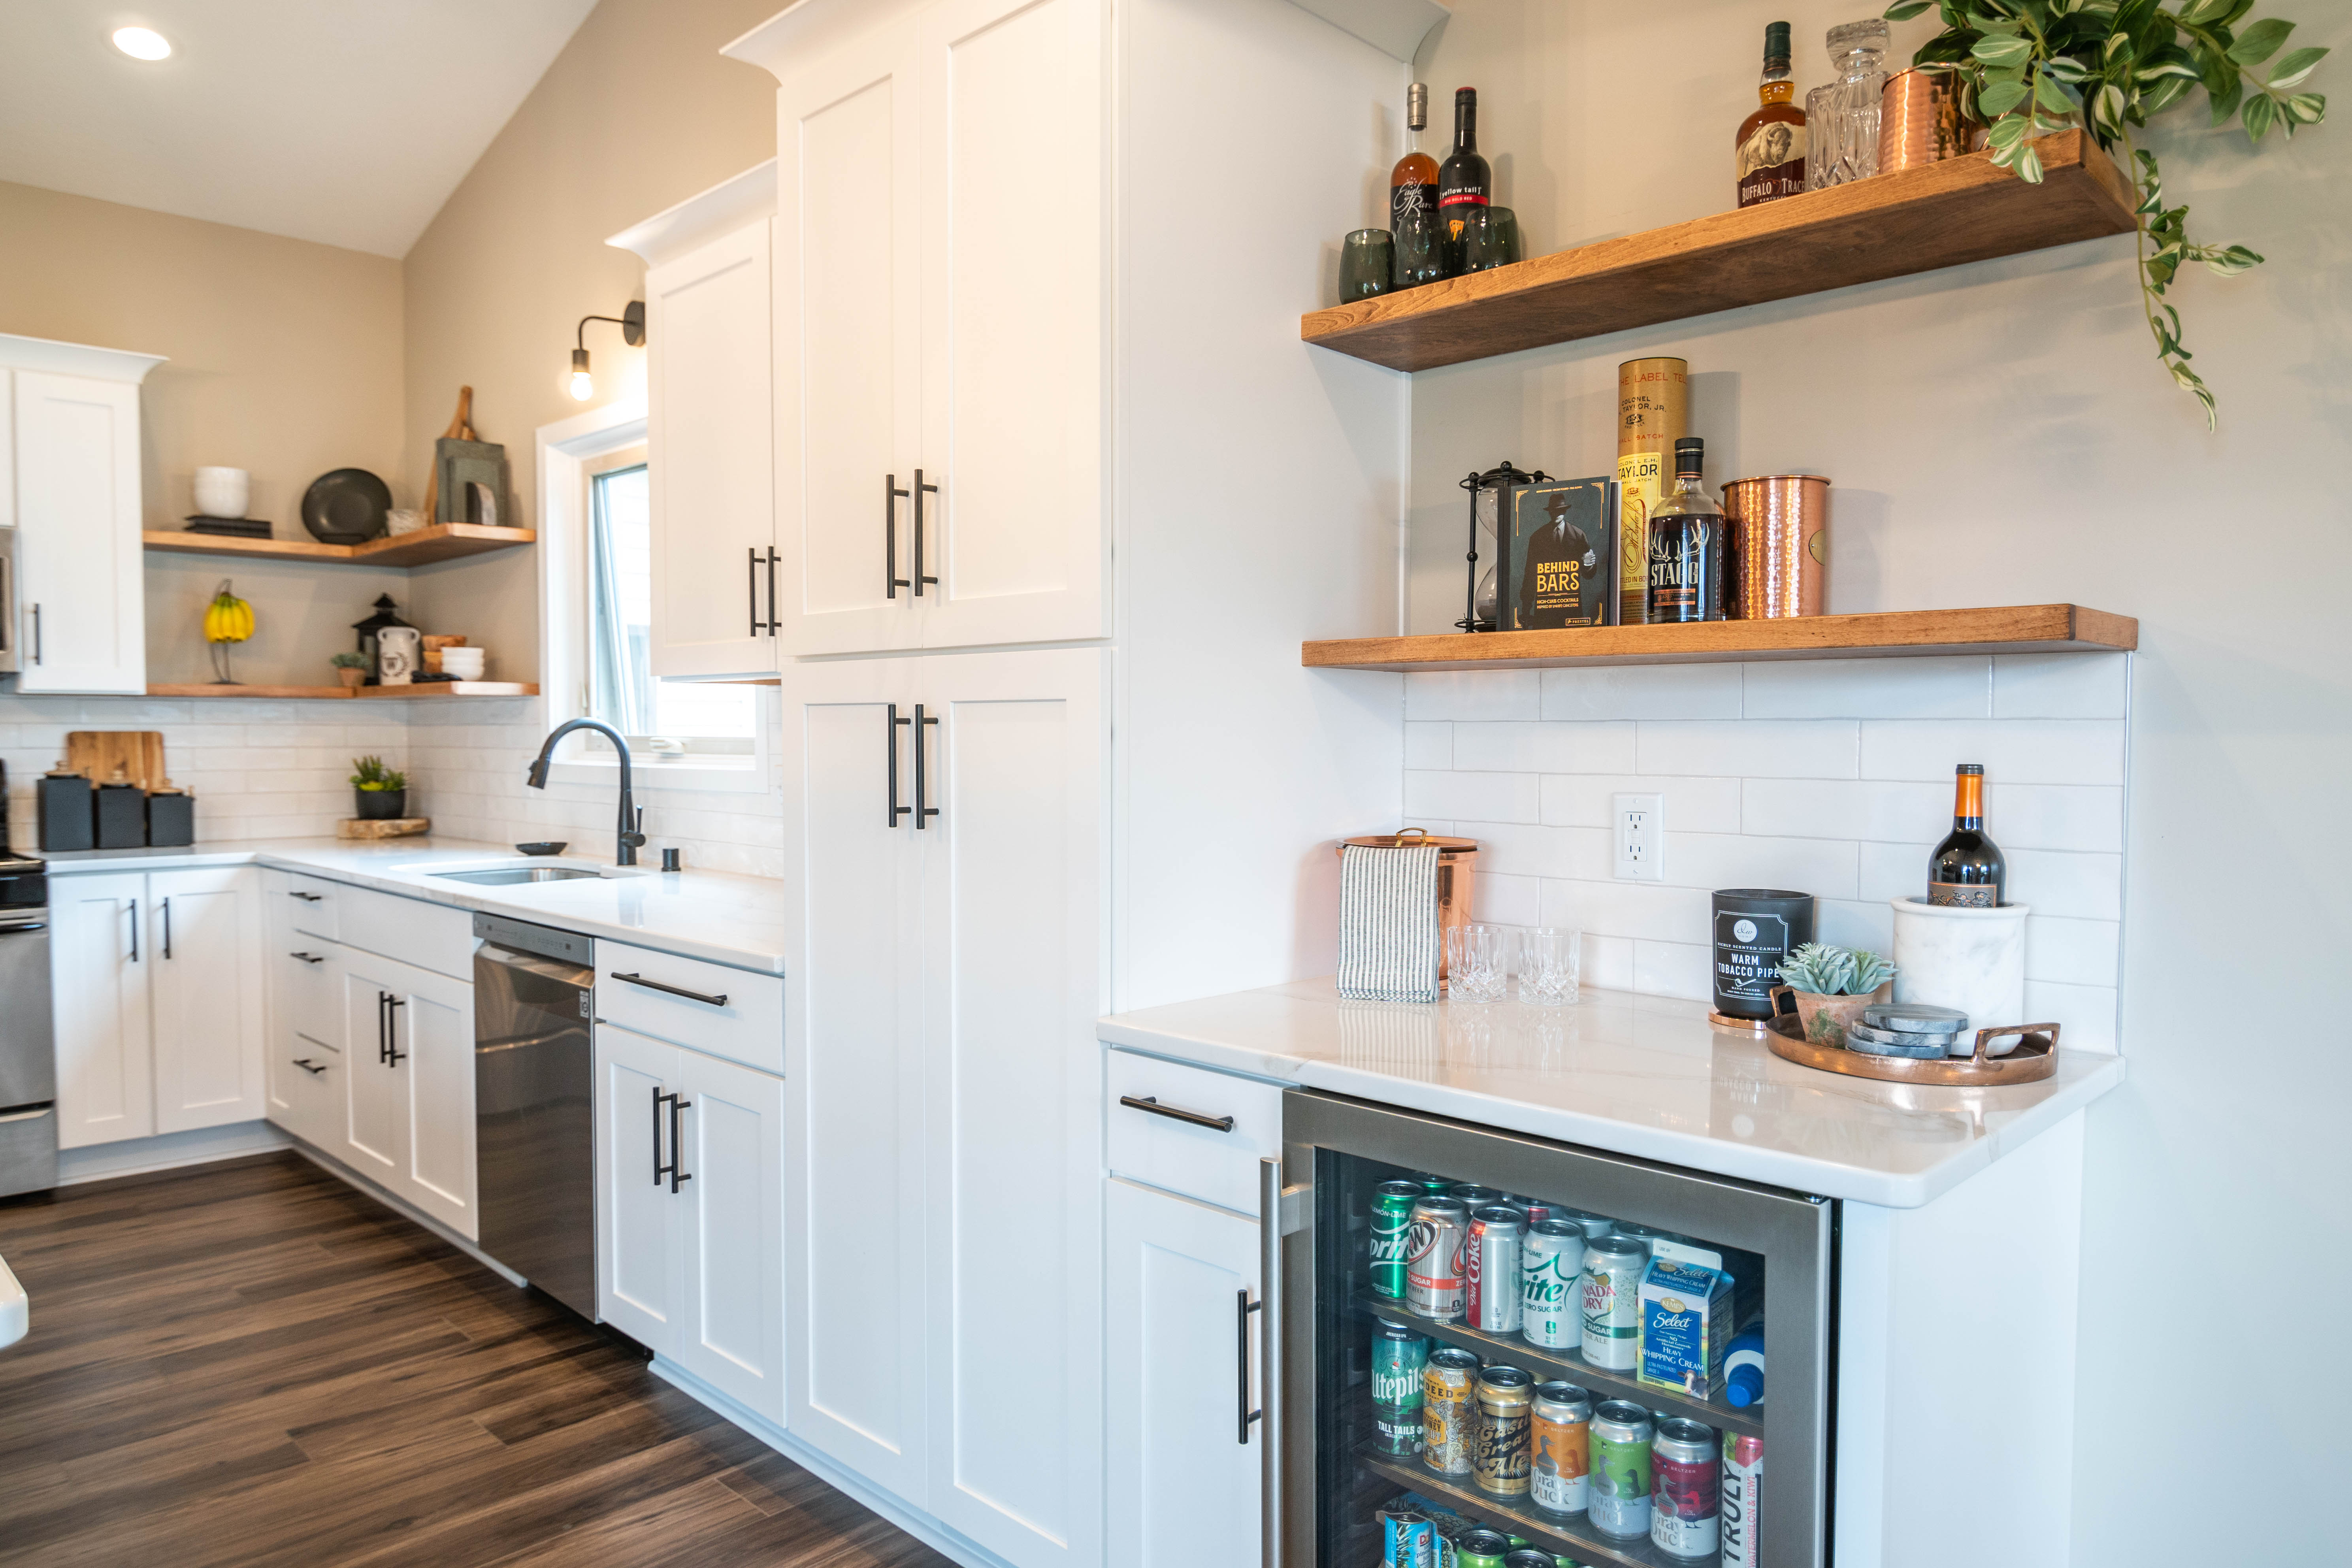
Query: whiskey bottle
x=1464, y=184
x=1689, y=546
x=1413, y=183
x=1966, y=870
x=1771, y=141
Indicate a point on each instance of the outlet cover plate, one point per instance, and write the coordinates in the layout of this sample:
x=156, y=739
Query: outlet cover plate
x=1639, y=830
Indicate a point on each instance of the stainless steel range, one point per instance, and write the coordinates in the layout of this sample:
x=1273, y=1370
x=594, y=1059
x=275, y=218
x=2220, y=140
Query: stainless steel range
x=29, y=1063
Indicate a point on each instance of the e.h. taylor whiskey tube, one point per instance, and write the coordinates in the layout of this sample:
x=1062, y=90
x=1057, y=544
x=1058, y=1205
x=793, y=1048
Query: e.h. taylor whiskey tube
x=1652, y=413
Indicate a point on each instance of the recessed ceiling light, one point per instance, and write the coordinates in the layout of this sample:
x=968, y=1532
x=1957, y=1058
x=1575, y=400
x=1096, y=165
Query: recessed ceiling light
x=142, y=43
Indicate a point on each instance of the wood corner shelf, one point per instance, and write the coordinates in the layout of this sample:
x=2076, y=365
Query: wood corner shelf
x=440, y=541
x=444, y=689
x=2015, y=628
x=1940, y=215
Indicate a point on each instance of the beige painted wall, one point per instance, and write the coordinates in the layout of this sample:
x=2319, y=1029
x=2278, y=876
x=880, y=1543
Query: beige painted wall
x=638, y=112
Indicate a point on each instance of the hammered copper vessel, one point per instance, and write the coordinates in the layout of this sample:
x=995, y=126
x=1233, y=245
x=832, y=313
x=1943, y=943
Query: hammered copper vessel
x=1780, y=545
x=1919, y=120
x=1457, y=863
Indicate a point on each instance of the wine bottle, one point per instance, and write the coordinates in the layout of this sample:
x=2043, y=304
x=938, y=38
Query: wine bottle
x=1966, y=870
x=1413, y=183
x=1464, y=184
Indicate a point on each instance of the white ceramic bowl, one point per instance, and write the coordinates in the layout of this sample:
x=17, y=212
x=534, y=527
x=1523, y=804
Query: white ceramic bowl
x=464, y=663
x=223, y=492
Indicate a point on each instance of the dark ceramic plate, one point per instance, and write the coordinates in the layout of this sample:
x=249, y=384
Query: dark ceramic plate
x=345, y=507
x=543, y=846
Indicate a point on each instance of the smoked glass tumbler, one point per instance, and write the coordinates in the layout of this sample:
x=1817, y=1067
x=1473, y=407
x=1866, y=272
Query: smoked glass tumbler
x=1490, y=239
x=1551, y=961
x=1366, y=265
x=1478, y=961
x=1419, y=258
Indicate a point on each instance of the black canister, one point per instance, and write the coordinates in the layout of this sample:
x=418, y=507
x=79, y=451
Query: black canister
x=172, y=818
x=1754, y=929
x=122, y=816
x=68, y=819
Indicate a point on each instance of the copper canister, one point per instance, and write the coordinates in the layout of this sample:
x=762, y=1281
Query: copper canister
x=1919, y=120
x=1457, y=864
x=1780, y=545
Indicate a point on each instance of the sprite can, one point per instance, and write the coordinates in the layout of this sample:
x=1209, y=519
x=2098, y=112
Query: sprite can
x=1551, y=1288
x=1392, y=1224
x=1620, y=1470
x=1400, y=1358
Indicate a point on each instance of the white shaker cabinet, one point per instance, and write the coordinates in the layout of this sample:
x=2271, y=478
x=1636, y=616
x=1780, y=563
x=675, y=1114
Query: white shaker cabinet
x=205, y=936
x=98, y=974
x=408, y=1055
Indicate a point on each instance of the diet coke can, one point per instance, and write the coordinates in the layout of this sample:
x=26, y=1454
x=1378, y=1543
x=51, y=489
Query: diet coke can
x=1551, y=1270
x=1491, y=1275
x=1432, y=1259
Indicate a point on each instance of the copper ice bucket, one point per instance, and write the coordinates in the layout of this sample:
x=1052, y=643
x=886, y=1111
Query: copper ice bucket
x=1457, y=864
x=1780, y=545
x=1919, y=120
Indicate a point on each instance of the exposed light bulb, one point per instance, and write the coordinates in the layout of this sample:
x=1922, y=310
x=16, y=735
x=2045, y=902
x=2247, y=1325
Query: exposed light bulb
x=142, y=43
x=582, y=388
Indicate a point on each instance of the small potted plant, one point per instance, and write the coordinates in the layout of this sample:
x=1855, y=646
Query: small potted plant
x=1832, y=986
x=381, y=793
x=350, y=668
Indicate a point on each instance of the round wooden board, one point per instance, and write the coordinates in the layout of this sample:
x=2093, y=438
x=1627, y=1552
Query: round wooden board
x=2034, y=1059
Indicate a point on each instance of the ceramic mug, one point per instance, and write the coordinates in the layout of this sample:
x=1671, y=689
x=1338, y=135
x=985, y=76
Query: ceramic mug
x=398, y=650
x=223, y=492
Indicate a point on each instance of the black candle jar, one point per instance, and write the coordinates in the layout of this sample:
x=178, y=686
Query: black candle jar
x=1755, y=928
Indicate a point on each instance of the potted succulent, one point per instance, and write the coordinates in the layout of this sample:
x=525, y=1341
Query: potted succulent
x=1832, y=985
x=381, y=793
x=350, y=668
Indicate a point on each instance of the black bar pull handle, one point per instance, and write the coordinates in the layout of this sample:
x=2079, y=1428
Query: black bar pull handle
x=920, y=490
x=660, y=1170
x=718, y=1001
x=1176, y=1113
x=382, y=1027
x=775, y=622
x=167, y=928
x=751, y=585
x=37, y=634
x=304, y=1063
x=1243, y=1307
x=890, y=742
x=309, y=957
x=134, y=931
x=891, y=496
x=393, y=1055
x=923, y=813
x=307, y=898
x=678, y=1174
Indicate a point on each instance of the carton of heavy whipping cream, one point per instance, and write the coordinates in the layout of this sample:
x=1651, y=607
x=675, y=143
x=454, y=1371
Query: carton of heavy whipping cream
x=1685, y=1326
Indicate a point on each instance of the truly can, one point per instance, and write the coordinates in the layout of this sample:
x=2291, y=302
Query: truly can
x=1449, y=1410
x=1499, y=1463
x=1433, y=1258
x=1491, y=1268
x=1392, y=1224
x=1685, y=1489
x=1620, y=1470
x=1743, y=1498
x=1472, y=1197
x=1481, y=1548
x=1399, y=1356
x=1534, y=1208
x=1611, y=1302
x=1560, y=1448
x=1551, y=1268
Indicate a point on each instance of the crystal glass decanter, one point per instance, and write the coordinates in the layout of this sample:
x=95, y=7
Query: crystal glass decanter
x=1841, y=118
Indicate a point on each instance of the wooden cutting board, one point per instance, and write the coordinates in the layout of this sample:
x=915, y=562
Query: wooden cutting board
x=98, y=752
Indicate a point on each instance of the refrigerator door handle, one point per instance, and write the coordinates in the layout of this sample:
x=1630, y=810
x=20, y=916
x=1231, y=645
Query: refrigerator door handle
x=1269, y=1358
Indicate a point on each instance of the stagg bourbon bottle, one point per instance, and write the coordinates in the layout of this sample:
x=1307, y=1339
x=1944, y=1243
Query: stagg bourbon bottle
x=1690, y=555
x=1464, y=184
x=1413, y=183
x=1771, y=141
x=1967, y=869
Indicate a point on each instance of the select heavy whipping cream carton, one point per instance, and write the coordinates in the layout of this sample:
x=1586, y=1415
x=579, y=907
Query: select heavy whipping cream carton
x=1685, y=1326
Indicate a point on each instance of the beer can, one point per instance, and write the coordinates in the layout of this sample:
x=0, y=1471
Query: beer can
x=1551, y=1268
x=1407, y=1540
x=1560, y=1448
x=1611, y=1306
x=1505, y=1401
x=1433, y=1258
x=1472, y=1197
x=1491, y=1283
x=1620, y=1470
x=1392, y=1223
x=1449, y=1410
x=1481, y=1548
x=1685, y=1489
x=1743, y=1498
x=1534, y=1208
x=1399, y=1356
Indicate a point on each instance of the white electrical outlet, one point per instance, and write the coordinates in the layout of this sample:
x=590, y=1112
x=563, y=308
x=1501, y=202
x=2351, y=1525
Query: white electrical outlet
x=1641, y=822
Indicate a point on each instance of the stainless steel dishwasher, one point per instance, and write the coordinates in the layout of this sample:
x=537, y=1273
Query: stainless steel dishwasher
x=534, y=1105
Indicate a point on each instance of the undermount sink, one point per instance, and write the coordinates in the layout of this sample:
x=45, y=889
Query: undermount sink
x=504, y=876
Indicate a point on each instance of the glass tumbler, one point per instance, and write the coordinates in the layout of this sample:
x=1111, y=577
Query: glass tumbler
x=1419, y=258
x=1366, y=265
x=1478, y=961
x=1490, y=239
x=1841, y=118
x=1551, y=961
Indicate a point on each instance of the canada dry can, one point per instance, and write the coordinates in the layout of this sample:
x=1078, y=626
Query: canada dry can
x=1685, y=1489
x=1551, y=1267
x=1392, y=1225
x=1612, y=1301
x=1491, y=1268
x=1743, y=1498
x=1505, y=1398
x=1399, y=1356
x=1433, y=1258
x=1560, y=1448
x=1620, y=1470
x=1449, y=1410
x=1482, y=1549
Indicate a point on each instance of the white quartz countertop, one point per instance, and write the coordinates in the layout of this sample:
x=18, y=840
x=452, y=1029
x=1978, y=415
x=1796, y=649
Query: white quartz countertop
x=1644, y=1076
x=737, y=920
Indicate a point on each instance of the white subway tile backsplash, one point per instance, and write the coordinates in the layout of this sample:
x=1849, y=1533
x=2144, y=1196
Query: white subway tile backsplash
x=1642, y=691
x=2084, y=887
x=1520, y=851
x=1535, y=748
x=2085, y=1014
x=1855, y=923
x=1894, y=870
x=1844, y=808
x=1506, y=899
x=1608, y=961
x=1867, y=688
x=1646, y=910
x=1826, y=868
x=2055, y=817
x=1794, y=748
x=1428, y=745
x=2012, y=750
x=1674, y=969
x=1473, y=694
x=2061, y=685
x=1691, y=804
x=2072, y=950
x=1484, y=797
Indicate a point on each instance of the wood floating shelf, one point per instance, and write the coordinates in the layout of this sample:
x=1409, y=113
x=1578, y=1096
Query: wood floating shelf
x=441, y=541
x=1940, y=215
x=434, y=689
x=2016, y=628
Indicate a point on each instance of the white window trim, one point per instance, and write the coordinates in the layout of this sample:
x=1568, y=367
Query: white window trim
x=566, y=449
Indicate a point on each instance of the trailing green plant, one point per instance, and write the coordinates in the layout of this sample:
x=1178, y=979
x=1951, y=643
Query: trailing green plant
x=1829, y=970
x=348, y=661
x=2030, y=65
x=370, y=774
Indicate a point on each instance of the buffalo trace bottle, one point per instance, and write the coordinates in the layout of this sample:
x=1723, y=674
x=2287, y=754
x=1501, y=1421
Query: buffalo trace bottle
x=1464, y=184
x=1966, y=870
x=1770, y=147
x=1413, y=183
x=1690, y=557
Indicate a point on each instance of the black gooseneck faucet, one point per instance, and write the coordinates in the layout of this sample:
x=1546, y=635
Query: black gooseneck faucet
x=624, y=852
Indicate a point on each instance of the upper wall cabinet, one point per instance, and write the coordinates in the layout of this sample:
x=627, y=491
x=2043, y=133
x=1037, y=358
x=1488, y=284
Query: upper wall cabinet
x=938, y=322
x=70, y=465
x=710, y=428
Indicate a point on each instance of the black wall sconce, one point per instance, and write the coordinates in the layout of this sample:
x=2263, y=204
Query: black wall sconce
x=631, y=322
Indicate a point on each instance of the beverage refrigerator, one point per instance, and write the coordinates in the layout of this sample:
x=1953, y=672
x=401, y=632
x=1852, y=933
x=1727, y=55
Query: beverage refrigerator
x=1352, y=1468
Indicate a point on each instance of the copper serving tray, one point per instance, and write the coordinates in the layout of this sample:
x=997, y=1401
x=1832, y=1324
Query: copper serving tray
x=2035, y=1058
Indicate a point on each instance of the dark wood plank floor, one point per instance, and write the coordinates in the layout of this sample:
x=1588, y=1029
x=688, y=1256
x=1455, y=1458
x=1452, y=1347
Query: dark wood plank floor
x=250, y=1363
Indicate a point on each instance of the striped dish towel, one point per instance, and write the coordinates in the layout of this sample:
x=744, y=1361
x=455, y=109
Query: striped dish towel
x=1388, y=922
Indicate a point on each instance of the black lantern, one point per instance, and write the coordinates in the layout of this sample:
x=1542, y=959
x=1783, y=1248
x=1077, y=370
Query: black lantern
x=386, y=614
x=1490, y=499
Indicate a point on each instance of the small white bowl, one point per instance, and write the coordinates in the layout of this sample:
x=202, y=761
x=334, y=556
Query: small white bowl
x=464, y=663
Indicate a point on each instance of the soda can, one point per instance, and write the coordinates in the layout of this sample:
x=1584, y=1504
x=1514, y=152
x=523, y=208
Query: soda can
x=1685, y=1489
x=1449, y=1410
x=1533, y=1208
x=1532, y=1557
x=1646, y=1234
x=1433, y=1258
x=1472, y=1197
x=1399, y=1358
x=1432, y=1187
x=1551, y=1270
x=1743, y=1498
x=1408, y=1539
x=1491, y=1284
x=1482, y=1548
x=1499, y=1463
x=1392, y=1225
x=1620, y=1470
x=1611, y=1306
x=1560, y=1448
x=1594, y=1226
